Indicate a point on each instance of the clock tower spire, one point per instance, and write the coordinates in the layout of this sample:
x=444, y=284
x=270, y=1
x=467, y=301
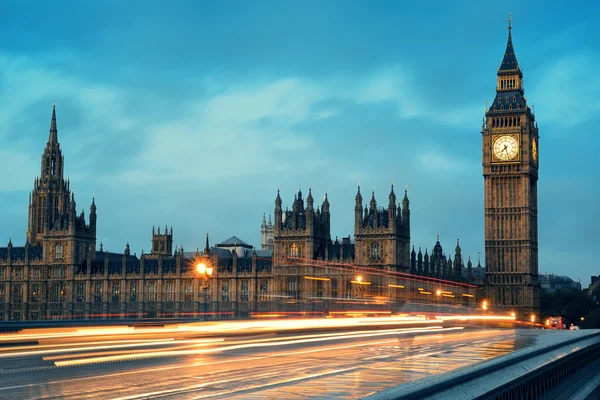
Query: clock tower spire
x=510, y=172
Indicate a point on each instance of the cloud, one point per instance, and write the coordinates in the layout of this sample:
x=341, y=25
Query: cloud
x=568, y=90
x=19, y=170
x=436, y=162
x=401, y=87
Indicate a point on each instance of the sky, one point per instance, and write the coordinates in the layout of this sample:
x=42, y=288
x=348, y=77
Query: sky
x=192, y=114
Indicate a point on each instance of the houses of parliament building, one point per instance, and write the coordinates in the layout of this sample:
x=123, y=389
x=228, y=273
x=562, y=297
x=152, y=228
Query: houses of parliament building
x=62, y=273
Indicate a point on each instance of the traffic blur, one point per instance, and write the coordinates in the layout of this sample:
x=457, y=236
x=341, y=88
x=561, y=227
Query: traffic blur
x=274, y=358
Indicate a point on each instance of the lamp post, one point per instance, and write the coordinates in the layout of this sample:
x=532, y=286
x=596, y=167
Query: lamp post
x=204, y=273
x=438, y=295
x=359, y=280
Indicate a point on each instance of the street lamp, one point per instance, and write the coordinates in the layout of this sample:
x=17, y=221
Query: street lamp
x=532, y=321
x=484, y=305
x=204, y=272
x=512, y=314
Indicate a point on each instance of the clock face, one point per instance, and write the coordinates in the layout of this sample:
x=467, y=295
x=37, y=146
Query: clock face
x=506, y=148
x=534, y=150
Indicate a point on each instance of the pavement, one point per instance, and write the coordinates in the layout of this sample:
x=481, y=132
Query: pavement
x=185, y=363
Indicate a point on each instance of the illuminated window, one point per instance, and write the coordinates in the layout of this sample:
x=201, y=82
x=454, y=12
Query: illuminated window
x=133, y=292
x=294, y=250
x=35, y=292
x=116, y=289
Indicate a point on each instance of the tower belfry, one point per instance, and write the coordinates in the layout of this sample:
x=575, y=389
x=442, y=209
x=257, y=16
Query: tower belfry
x=53, y=222
x=510, y=171
x=50, y=198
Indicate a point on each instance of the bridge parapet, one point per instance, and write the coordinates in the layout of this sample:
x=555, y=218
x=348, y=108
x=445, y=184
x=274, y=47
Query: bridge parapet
x=559, y=365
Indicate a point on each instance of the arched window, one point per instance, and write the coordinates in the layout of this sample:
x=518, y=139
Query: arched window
x=294, y=250
x=58, y=253
x=375, y=251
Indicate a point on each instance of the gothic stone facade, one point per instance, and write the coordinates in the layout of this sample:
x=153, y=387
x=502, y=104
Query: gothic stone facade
x=510, y=169
x=377, y=269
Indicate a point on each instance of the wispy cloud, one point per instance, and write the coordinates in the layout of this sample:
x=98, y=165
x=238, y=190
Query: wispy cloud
x=568, y=89
x=437, y=162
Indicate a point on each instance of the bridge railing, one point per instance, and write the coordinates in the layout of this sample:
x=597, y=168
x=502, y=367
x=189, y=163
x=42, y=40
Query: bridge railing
x=559, y=365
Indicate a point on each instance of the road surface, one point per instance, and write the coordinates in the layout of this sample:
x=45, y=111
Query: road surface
x=156, y=362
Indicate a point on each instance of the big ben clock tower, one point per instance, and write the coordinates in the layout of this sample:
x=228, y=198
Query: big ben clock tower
x=510, y=172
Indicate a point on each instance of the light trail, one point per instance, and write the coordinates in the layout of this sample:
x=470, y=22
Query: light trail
x=77, y=349
x=278, y=343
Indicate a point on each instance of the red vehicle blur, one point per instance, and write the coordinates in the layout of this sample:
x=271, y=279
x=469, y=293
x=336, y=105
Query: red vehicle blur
x=556, y=323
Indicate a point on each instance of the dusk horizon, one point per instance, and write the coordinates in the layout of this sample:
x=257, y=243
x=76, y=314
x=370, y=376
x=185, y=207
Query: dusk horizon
x=196, y=124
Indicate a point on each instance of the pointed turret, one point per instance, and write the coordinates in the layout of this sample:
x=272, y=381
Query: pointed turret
x=325, y=206
x=53, y=137
x=406, y=214
x=264, y=221
x=413, y=260
x=469, y=270
x=457, y=261
x=127, y=251
x=392, y=207
x=206, y=247
x=93, y=214
x=309, y=200
x=509, y=62
x=373, y=203
x=420, y=261
x=358, y=218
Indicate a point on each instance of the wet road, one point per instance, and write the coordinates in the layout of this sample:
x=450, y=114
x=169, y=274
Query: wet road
x=183, y=364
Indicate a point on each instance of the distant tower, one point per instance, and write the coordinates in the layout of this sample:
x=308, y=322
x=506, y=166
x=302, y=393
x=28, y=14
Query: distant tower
x=382, y=235
x=510, y=171
x=50, y=198
x=162, y=243
x=457, y=262
x=53, y=222
x=302, y=232
x=266, y=234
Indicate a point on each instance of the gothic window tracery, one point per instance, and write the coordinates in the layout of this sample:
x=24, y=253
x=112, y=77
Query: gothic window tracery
x=294, y=250
x=375, y=251
x=58, y=253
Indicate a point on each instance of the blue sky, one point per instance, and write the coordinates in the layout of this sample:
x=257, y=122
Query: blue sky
x=192, y=114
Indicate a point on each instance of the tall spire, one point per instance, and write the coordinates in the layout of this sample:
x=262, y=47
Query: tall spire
x=509, y=62
x=207, y=247
x=53, y=137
